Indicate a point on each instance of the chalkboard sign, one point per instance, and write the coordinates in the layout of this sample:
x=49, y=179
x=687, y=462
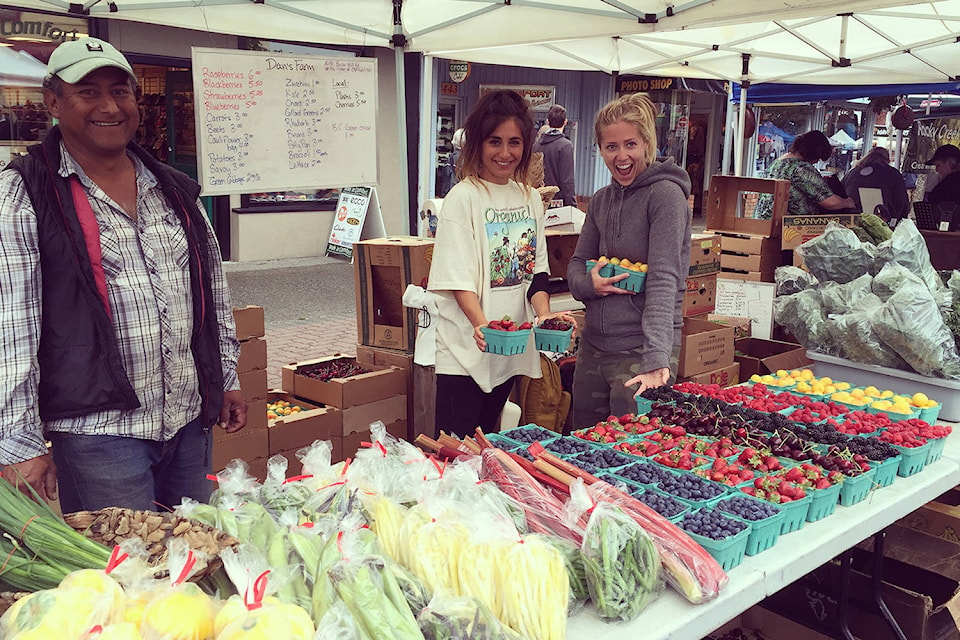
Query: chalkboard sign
x=283, y=122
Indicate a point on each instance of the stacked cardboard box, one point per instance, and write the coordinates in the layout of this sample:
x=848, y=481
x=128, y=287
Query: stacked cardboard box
x=706, y=353
x=250, y=443
x=357, y=401
x=701, y=296
x=750, y=248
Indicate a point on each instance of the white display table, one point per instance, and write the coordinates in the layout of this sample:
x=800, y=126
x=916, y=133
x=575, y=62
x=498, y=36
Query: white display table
x=793, y=556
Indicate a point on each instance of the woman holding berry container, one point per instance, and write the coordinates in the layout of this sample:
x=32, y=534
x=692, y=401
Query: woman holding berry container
x=632, y=339
x=489, y=263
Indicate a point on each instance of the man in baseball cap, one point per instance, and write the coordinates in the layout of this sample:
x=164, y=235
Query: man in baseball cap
x=946, y=161
x=73, y=60
x=134, y=357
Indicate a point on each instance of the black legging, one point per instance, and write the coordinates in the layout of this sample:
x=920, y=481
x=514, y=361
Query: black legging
x=462, y=406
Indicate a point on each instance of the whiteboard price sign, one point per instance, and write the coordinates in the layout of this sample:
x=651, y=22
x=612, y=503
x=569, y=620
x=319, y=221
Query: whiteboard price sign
x=276, y=122
x=746, y=299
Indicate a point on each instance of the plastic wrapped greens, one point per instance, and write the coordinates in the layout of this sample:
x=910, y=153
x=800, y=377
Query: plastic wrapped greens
x=854, y=335
x=449, y=617
x=911, y=324
x=792, y=279
x=908, y=248
x=622, y=564
x=837, y=254
x=802, y=315
x=839, y=298
x=893, y=277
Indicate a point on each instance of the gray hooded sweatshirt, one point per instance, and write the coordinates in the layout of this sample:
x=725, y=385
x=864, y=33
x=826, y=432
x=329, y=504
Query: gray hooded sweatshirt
x=647, y=221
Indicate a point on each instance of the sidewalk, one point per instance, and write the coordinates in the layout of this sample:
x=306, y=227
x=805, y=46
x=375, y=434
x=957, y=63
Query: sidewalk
x=305, y=342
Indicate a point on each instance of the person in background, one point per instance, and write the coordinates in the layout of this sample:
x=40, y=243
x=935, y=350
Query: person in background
x=809, y=192
x=632, y=340
x=946, y=161
x=557, y=153
x=476, y=274
x=874, y=172
x=125, y=352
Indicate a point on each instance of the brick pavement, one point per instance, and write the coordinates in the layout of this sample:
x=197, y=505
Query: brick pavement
x=304, y=342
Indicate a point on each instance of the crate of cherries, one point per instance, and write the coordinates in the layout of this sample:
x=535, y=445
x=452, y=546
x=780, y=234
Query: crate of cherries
x=331, y=369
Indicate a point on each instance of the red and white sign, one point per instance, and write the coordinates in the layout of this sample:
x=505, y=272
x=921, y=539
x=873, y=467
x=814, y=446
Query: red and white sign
x=459, y=71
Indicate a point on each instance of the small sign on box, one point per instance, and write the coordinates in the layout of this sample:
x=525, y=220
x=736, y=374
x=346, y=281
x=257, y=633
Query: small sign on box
x=704, y=254
x=799, y=229
x=701, y=295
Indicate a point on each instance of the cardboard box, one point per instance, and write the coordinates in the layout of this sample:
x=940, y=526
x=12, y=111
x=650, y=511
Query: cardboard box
x=404, y=360
x=701, y=295
x=729, y=210
x=941, y=555
x=258, y=468
x=253, y=384
x=253, y=355
x=759, y=245
x=249, y=321
x=560, y=248
x=725, y=377
x=765, y=263
x=799, y=229
x=741, y=326
x=383, y=268
x=760, y=357
x=381, y=382
x=388, y=411
x=748, y=276
x=301, y=429
x=246, y=444
x=256, y=416
x=918, y=598
x=939, y=518
x=354, y=441
x=760, y=623
x=704, y=254
x=704, y=346
x=564, y=218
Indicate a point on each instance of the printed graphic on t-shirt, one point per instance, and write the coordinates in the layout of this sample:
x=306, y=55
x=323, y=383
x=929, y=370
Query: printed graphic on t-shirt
x=512, y=237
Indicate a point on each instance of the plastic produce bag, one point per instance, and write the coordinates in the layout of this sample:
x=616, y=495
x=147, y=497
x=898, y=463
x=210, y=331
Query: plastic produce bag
x=839, y=298
x=911, y=324
x=338, y=624
x=181, y=610
x=449, y=617
x=802, y=315
x=792, y=279
x=908, y=248
x=891, y=278
x=854, y=335
x=375, y=600
x=837, y=254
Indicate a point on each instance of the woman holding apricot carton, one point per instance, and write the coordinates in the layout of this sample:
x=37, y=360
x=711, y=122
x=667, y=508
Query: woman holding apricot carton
x=489, y=261
x=632, y=340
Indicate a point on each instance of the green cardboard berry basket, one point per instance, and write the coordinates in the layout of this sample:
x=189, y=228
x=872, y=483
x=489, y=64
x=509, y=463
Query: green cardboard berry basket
x=823, y=502
x=885, y=471
x=728, y=552
x=634, y=282
x=643, y=405
x=931, y=414
x=763, y=533
x=673, y=517
x=505, y=343
x=606, y=270
x=855, y=488
x=914, y=459
x=936, y=449
x=553, y=340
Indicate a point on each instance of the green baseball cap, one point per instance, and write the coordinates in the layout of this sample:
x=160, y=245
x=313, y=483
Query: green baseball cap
x=73, y=60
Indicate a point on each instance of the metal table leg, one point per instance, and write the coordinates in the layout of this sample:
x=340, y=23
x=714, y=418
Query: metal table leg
x=846, y=567
x=878, y=583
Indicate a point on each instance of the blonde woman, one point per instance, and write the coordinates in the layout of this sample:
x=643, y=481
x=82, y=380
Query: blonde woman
x=631, y=341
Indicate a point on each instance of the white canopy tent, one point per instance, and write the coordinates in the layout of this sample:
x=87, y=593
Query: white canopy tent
x=20, y=69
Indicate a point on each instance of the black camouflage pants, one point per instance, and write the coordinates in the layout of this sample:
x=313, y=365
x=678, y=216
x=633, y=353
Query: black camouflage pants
x=598, y=380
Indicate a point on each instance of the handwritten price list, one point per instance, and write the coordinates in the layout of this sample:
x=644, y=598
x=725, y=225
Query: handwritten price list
x=272, y=122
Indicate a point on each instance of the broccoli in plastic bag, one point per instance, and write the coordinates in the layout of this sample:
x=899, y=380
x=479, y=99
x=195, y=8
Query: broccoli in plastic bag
x=839, y=298
x=908, y=248
x=802, y=315
x=837, y=254
x=792, y=279
x=855, y=337
x=911, y=324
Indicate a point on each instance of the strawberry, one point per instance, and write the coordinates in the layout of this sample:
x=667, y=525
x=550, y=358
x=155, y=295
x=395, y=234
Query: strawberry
x=495, y=324
x=525, y=325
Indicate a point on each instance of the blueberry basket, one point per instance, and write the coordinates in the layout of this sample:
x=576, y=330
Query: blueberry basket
x=553, y=340
x=642, y=473
x=794, y=514
x=528, y=434
x=914, y=459
x=505, y=343
x=634, y=281
x=936, y=449
x=823, y=502
x=568, y=446
x=885, y=471
x=602, y=459
x=764, y=531
x=606, y=270
x=692, y=490
x=667, y=506
x=500, y=441
x=727, y=551
x=854, y=489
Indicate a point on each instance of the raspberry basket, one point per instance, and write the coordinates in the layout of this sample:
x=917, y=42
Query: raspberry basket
x=506, y=343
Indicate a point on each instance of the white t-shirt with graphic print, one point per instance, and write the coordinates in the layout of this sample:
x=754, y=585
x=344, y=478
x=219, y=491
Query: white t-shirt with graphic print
x=490, y=240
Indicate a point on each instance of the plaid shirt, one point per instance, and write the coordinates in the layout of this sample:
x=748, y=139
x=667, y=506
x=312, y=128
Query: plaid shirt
x=145, y=262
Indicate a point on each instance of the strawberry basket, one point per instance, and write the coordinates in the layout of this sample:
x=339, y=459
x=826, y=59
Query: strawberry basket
x=885, y=471
x=505, y=343
x=823, y=502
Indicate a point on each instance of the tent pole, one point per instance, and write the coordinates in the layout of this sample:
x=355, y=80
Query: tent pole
x=399, y=42
x=741, y=138
x=728, y=136
x=428, y=131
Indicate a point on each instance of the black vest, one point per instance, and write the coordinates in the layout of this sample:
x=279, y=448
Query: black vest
x=81, y=370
